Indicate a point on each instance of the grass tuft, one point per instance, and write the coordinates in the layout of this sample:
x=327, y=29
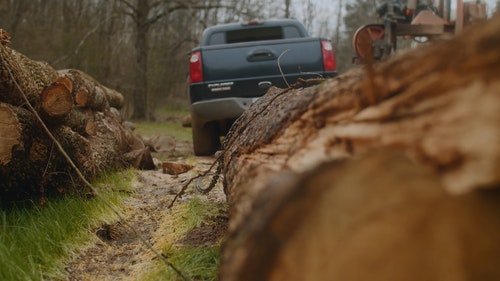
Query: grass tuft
x=196, y=263
x=149, y=129
x=173, y=107
x=169, y=118
x=35, y=240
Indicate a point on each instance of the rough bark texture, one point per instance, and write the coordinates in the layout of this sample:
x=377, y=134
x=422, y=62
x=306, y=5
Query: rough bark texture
x=31, y=83
x=304, y=206
x=90, y=132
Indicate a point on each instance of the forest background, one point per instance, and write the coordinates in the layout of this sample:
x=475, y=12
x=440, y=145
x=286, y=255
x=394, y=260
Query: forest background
x=141, y=47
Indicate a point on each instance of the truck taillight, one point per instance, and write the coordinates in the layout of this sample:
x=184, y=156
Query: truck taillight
x=195, y=68
x=329, y=63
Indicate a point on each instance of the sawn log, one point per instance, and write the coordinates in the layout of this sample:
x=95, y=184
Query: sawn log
x=36, y=100
x=391, y=175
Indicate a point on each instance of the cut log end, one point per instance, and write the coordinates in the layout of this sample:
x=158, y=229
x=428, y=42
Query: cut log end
x=56, y=102
x=90, y=127
x=11, y=133
x=82, y=97
x=66, y=82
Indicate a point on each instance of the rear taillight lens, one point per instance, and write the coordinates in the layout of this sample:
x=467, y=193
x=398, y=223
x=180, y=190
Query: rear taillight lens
x=195, y=68
x=329, y=63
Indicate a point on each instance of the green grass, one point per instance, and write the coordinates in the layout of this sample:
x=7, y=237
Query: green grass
x=200, y=263
x=35, y=240
x=173, y=111
x=194, y=212
x=194, y=263
x=176, y=108
x=174, y=129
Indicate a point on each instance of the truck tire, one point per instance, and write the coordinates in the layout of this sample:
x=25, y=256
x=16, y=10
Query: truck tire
x=205, y=138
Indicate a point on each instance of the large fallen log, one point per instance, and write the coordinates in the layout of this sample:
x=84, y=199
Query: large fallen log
x=31, y=84
x=88, y=128
x=387, y=176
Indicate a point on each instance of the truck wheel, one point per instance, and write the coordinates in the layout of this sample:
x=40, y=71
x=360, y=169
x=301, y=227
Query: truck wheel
x=205, y=138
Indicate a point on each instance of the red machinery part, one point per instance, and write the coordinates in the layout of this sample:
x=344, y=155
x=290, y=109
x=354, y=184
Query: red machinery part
x=362, y=41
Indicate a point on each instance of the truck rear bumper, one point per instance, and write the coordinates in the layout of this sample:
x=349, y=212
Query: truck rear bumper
x=220, y=109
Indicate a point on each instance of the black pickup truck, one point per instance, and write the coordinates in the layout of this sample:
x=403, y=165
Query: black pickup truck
x=236, y=63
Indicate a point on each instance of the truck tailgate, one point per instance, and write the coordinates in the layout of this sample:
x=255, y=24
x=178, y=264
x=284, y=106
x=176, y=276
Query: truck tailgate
x=256, y=59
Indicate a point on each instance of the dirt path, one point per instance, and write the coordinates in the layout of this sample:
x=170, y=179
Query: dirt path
x=118, y=254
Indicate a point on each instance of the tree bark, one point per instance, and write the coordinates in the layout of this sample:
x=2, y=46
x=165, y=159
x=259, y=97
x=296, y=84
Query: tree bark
x=15, y=65
x=141, y=83
x=327, y=180
x=22, y=154
x=143, y=24
x=82, y=121
x=377, y=211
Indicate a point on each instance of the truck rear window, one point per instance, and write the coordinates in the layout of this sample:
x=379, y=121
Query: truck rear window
x=254, y=34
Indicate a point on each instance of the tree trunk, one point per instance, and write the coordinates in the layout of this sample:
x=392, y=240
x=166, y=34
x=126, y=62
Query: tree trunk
x=383, y=175
x=90, y=132
x=141, y=80
x=141, y=110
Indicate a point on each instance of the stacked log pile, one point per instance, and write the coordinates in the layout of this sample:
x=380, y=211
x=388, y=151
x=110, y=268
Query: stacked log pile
x=390, y=173
x=79, y=112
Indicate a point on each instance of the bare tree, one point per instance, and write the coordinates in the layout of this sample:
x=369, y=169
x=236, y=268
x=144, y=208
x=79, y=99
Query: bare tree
x=287, y=8
x=309, y=15
x=339, y=21
x=136, y=46
x=13, y=12
x=140, y=12
x=145, y=14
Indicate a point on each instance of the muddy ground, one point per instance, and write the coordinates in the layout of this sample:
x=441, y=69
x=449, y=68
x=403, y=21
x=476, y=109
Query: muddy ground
x=117, y=253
